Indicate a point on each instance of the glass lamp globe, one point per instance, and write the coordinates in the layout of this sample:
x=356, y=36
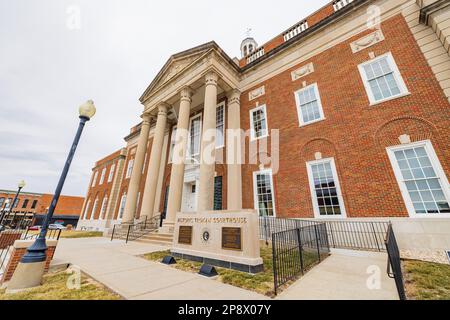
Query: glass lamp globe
x=21, y=184
x=87, y=110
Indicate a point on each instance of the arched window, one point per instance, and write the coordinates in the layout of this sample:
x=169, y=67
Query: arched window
x=103, y=209
x=94, y=208
x=86, y=210
x=122, y=205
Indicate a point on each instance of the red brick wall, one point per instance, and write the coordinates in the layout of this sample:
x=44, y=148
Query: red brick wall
x=67, y=205
x=354, y=133
x=99, y=191
x=14, y=261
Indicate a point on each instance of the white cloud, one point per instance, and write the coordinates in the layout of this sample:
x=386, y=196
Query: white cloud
x=48, y=69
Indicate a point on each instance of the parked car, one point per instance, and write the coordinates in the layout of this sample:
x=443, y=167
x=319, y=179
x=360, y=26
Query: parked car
x=35, y=228
x=56, y=227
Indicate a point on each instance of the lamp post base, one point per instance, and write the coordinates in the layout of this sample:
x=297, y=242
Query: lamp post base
x=26, y=276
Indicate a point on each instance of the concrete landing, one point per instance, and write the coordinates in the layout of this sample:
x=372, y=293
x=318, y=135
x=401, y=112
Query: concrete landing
x=345, y=275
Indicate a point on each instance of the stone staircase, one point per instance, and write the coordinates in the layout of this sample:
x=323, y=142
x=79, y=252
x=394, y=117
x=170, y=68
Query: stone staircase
x=158, y=238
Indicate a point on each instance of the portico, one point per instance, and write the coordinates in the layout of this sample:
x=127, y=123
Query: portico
x=190, y=84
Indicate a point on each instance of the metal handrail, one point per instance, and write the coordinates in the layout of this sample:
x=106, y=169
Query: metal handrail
x=134, y=231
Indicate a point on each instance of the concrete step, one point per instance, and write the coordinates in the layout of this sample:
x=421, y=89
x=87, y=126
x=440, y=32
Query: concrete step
x=155, y=241
x=159, y=235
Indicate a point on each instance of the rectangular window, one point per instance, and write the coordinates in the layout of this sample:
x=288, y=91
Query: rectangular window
x=25, y=203
x=34, y=204
x=309, y=105
x=423, y=183
x=94, y=180
x=218, y=193
x=129, y=169
x=145, y=161
x=263, y=193
x=220, y=125
x=258, y=123
x=194, y=137
x=16, y=203
x=325, y=189
x=111, y=172
x=102, y=177
x=8, y=203
x=2, y=201
x=173, y=140
x=123, y=201
x=382, y=79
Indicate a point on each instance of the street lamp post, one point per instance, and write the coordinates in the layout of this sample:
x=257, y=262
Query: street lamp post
x=3, y=211
x=20, y=186
x=34, y=259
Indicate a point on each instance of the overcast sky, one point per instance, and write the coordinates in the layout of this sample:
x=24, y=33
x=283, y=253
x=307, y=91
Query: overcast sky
x=52, y=60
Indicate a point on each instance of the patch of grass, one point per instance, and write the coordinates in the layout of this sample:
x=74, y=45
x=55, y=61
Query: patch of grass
x=81, y=234
x=55, y=288
x=261, y=283
x=65, y=234
x=426, y=280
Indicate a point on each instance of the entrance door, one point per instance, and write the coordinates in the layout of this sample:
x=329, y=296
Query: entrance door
x=190, y=202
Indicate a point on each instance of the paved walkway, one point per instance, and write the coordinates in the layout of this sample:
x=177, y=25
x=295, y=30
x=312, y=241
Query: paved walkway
x=345, y=276
x=116, y=265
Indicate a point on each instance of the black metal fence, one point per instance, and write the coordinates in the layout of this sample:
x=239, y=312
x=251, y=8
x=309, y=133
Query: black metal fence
x=345, y=234
x=394, y=268
x=297, y=250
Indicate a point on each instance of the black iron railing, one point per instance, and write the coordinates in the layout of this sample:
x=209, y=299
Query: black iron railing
x=52, y=234
x=394, y=268
x=296, y=251
x=345, y=234
x=133, y=232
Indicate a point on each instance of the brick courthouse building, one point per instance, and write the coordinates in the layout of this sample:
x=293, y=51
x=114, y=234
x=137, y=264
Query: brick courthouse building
x=353, y=102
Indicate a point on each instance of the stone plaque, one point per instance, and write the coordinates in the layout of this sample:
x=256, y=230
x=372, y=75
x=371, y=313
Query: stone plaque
x=185, y=235
x=232, y=239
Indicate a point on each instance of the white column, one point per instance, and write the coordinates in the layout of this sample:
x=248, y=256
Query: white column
x=178, y=158
x=148, y=201
x=208, y=145
x=135, y=180
x=234, y=152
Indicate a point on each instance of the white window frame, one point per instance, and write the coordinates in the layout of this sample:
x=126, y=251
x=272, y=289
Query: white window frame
x=129, y=171
x=255, y=191
x=173, y=141
x=191, y=120
x=94, y=208
x=436, y=166
x=102, y=177
x=145, y=162
x=111, y=172
x=319, y=102
x=94, y=180
x=86, y=210
x=103, y=208
x=222, y=104
x=397, y=76
x=252, y=127
x=312, y=189
x=123, y=202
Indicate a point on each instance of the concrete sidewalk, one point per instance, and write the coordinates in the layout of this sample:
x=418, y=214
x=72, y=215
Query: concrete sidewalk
x=116, y=265
x=345, y=276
